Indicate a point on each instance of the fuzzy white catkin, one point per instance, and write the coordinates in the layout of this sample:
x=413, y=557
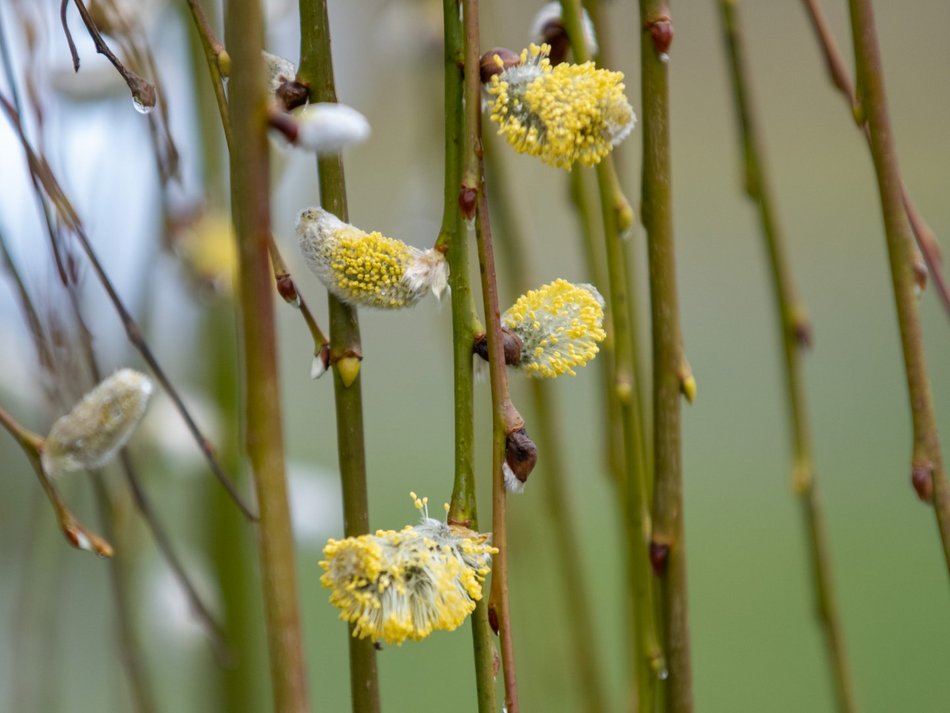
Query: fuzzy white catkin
x=325, y=128
x=99, y=425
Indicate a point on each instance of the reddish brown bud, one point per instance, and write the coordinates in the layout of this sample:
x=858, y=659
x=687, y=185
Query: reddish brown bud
x=493, y=618
x=921, y=477
x=285, y=124
x=661, y=32
x=555, y=34
x=468, y=197
x=659, y=553
x=288, y=290
x=489, y=66
x=801, y=329
x=511, y=342
x=521, y=454
x=293, y=94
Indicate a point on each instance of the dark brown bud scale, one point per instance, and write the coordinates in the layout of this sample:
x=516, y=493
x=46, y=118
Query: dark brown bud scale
x=659, y=553
x=511, y=342
x=921, y=477
x=285, y=124
x=555, y=34
x=468, y=197
x=489, y=66
x=493, y=618
x=292, y=94
x=921, y=273
x=521, y=454
x=661, y=32
x=288, y=290
x=801, y=329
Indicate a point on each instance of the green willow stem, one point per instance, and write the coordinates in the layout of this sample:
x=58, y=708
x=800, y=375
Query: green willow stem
x=264, y=441
x=649, y=666
x=505, y=418
x=453, y=238
x=316, y=70
x=795, y=332
x=549, y=439
x=927, y=468
x=668, y=546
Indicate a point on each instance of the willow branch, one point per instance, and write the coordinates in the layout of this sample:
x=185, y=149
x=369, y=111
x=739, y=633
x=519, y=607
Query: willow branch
x=668, y=548
x=215, y=57
x=453, y=239
x=648, y=660
x=838, y=72
x=795, y=330
x=77, y=534
x=143, y=93
x=927, y=470
x=264, y=441
x=316, y=70
x=505, y=418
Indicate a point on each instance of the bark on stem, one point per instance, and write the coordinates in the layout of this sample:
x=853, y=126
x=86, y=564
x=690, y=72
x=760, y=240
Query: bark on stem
x=250, y=204
x=927, y=470
x=795, y=331
x=316, y=70
x=505, y=417
x=668, y=545
x=453, y=238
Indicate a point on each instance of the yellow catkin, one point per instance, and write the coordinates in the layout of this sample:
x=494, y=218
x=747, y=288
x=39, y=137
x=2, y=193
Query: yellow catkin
x=565, y=114
x=560, y=325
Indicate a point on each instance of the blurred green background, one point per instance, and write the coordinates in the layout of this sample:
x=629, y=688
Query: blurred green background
x=756, y=644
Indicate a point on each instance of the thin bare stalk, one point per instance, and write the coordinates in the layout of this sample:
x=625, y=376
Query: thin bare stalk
x=215, y=56
x=840, y=77
x=316, y=70
x=453, y=238
x=668, y=547
x=649, y=666
x=927, y=471
x=77, y=534
x=264, y=441
x=548, y=436
x=795, y=334
x=505, y=417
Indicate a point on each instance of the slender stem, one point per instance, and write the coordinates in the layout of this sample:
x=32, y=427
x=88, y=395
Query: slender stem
x=838, y=72
x=648, y=660
x=77, y=534
x=794, y=331
x=549, y=439
x=250, y=204
x=213, y=51
x=668, y=546
x=287, y=289
x=927, y=465
x=505, y=418
x=316, y=69
x=453, y=238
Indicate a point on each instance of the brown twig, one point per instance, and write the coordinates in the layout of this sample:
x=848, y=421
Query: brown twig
x=927, y=470
x=143, y=93
x=77, y=534
x=838, y=71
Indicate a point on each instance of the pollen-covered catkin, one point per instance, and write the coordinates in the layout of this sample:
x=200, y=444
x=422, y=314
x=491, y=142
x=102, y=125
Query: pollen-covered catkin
x=571, y=113
x=368, y=269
